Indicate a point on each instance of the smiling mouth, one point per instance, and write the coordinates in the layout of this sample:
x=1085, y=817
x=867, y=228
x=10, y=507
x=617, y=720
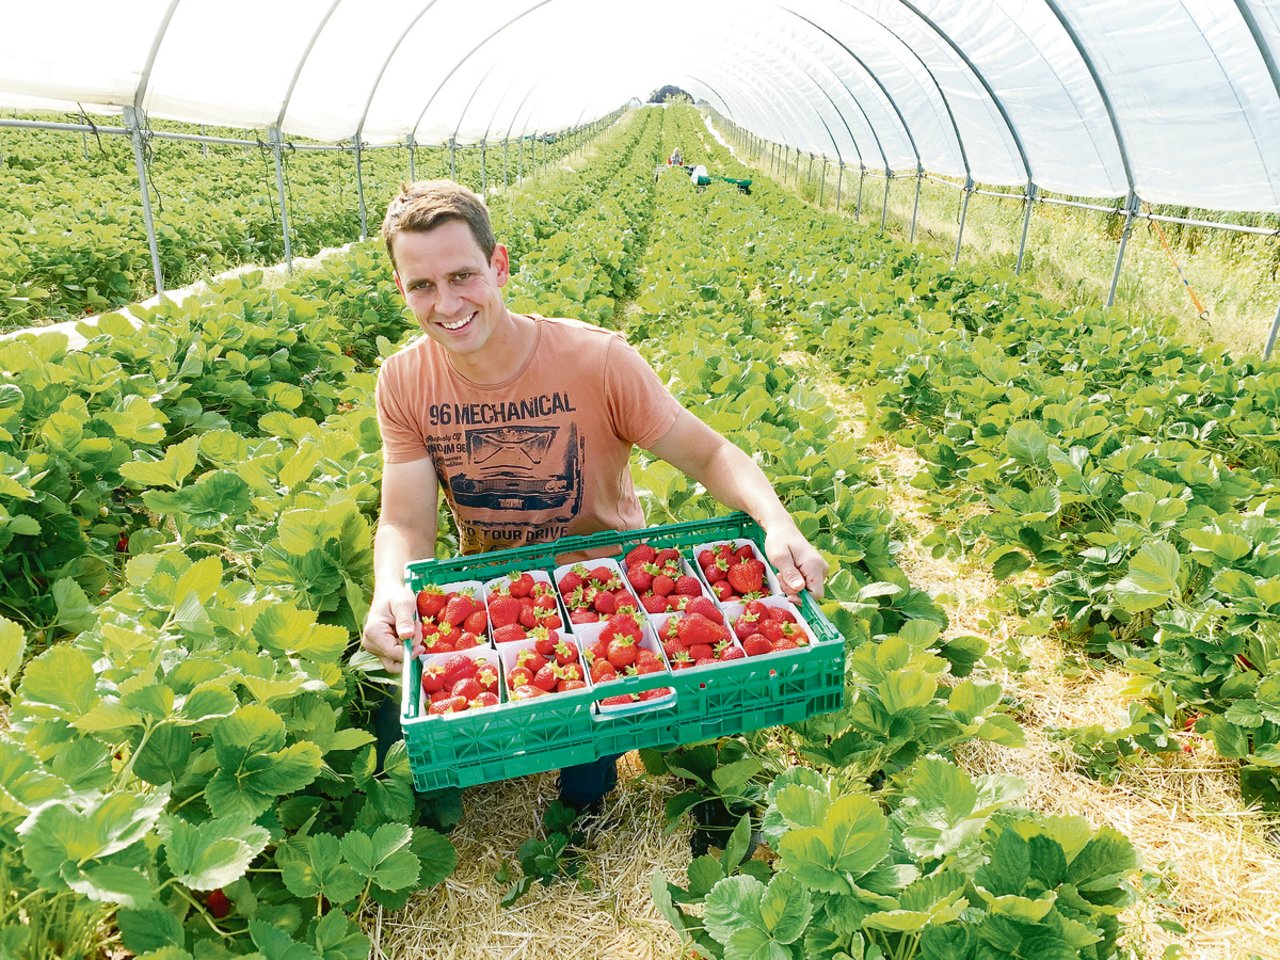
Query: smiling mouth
x=451, y=327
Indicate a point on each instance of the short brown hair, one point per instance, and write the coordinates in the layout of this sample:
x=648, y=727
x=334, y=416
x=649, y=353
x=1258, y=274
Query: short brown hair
x=426, y=204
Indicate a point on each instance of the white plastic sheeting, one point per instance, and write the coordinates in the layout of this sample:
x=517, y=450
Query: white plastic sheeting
x=1176, y=101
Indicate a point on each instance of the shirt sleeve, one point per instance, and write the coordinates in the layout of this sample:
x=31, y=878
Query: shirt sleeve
x=640, y=406
x=402, y=442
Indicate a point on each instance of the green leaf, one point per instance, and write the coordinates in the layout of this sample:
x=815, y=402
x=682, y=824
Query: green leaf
x=75, y=612
x=337, y=937
x=731, y=776
x=178, y=462
x=13, y=645
x=732, y=904
x=786, y=908
x=972, y=698
x=436, y=856
x=380, y=857
x=275, y=944
x=314, y=867
x=25, y=783
x=1011, y=562
x=852, y=841
x=738, y=843
x=252, y=769
x=110, y=883
x=144, y=930
x=137, y=420
x=60, y=833
x=285, y=630
x=1027, y=443
x=211, y=854
x=207, y=504
x=60, y=682
x=1152, y=578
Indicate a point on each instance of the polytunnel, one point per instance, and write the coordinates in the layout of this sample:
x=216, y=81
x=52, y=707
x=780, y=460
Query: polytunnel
x=1141, y=101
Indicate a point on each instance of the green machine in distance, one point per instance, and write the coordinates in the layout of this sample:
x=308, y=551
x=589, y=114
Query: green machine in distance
x=701, y=179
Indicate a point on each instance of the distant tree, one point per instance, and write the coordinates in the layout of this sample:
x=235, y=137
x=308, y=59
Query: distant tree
x=670, y=93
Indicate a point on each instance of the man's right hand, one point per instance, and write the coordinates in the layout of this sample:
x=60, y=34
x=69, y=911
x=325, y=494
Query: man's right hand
x=392, y=619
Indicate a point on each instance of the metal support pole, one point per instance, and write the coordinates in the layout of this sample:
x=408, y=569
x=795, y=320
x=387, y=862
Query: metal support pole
x=915, y=207
x=857, y=210
x=1131, y=206
x=839, y=184
x=822, y=187
x=204, y=147
x=505, y=166
x=413, y=151
x=520, y=162
x=84, y=144
x=1271, y=337
x=364, y=219
x=1026, y=225
x=964, y=211
x=484, y=174
x=884, y=209
x=273, y=136
x=453, y=160
x=139, y=161
x=809, y=175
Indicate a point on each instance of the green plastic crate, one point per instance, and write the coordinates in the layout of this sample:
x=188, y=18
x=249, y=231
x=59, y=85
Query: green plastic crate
x=547, y=733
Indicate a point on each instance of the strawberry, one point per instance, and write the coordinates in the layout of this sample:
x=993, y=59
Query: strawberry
x=605, y=603
x=432, y=677
x=706, y=557
x=602, y=671
x=527, y=691
x=546, y=678
x=723, y=590
x=622, y=651
x=696, y=629
x=759, y=610
x=466, y=641
x=584, y=616
x=745, y=625
x=700, y=651
x=667, y=555
x=566, y=652
x=571, y=581
x=459, y=607
x=503, y=610
x=467, y=688
x=528, y=619
x=486, y=699
x=217, y=903
x=531, y=659
x=714, y=573
x=618, y=700
x=430, y=602
x=570, y=672
x=544, y=601
x=640, y=578
x=487, y=677
x=782, y=613
x=456, y=667
x=478, y=622
x=649, y=666
x=512, y=631
x=654, y=603
x=745, y=552
x=567, y=685
x=519, y=677
x=731, y=653
x=688, y=586
x=448, y=705
x=746, y=576
x=663, y=585
x=640, y=553
x=520, y=585
x=545, y=641
x=756, y=644
x=655, y=694
x=707, y=607
x=602, y=575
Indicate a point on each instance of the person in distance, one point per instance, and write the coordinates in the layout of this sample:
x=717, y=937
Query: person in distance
x=526, y=425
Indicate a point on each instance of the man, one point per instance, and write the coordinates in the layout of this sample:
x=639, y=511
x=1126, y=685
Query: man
x=527, y=424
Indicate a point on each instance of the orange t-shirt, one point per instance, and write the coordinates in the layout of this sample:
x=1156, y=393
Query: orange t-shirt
x=542, y=455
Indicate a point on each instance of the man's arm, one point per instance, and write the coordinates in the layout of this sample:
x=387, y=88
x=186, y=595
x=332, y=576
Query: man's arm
x=737, y=481
x=406, y=531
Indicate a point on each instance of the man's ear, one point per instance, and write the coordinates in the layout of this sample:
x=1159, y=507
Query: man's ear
x=501, y=264
x=395, y=275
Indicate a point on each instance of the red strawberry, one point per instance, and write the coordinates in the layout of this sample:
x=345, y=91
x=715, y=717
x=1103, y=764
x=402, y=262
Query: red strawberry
x=503, y=611
x=786, y=643
x=459, y=607
x=655, y=694
x=707, y=607
x=654, y=603
x=602, y=575
x=602, y=671
x=663, y=585
x=217, y=903
x=519, y=677
x=567, y=685
x=512, y=631
x=622, y=651
x=528, y=619
x=467, y=688
x=756, y=644
x=640, y=553
x=584, y=616
x=466, y=641
x=746, y=576
x=618, y=700
x=639, y=578
x=706, y=557
x=714, y=573
x=723, y=590
x=700, y=651
x=432, y=677
x=566, y=652
x=569, y=672
x=448, y=705
x=520, y=585
x=695, y=628
x=486, y=699
x=478, y=622
x=546, y=678
x=487, y=676
x=648, y=666
x=571, y=581
x=688, y=586
x=667, y=555
x=731, y=653
x=455, y=668
x=531, y=659
x=745, y=552
x=605, y=603
x=545, y=641
x=430, y=602
x=527, y=691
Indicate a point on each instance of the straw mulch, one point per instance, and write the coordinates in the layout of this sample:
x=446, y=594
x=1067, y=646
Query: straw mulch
x=462, y=919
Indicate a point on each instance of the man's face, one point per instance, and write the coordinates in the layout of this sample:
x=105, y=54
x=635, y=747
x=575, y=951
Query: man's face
x=451, y=288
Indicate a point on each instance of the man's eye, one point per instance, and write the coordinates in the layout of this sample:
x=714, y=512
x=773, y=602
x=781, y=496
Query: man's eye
x=463, y=277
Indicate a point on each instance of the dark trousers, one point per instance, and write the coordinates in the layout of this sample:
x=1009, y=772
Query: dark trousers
x=580, y=785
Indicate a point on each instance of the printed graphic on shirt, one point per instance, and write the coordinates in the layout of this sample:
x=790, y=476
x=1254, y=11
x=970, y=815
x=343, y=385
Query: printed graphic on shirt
x=516, y=483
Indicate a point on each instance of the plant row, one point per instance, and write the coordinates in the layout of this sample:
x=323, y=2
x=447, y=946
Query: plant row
x=188, y=510
x=1132, y=475
x=882, y=845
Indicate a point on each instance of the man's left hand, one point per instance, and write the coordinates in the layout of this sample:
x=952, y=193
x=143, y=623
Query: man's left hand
x=799, y=565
